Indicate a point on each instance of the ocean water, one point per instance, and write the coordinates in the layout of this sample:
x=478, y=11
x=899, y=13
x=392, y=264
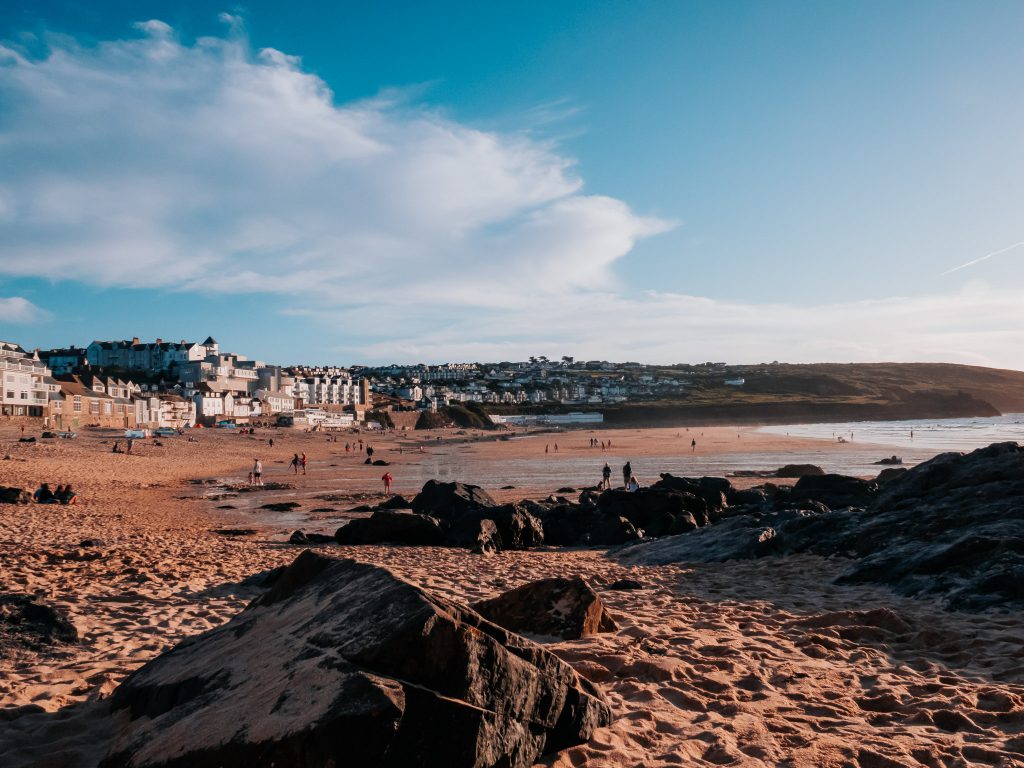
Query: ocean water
x=936, y=435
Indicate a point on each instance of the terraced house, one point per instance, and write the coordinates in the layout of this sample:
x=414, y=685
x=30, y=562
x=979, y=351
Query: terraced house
x=27, y=382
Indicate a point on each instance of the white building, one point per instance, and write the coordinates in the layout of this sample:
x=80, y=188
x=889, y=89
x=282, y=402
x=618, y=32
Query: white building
x=26, y=382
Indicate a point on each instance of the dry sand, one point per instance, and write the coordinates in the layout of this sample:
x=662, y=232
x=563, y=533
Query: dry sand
x=753, y=663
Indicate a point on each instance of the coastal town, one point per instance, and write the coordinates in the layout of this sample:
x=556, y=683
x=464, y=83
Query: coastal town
x=131, y=383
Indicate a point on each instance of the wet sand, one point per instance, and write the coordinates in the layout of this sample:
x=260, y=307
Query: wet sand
x=755, y=663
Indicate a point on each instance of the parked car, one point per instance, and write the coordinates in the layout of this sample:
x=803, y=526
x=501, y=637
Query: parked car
x=165, y=432
x=136, y=434
x=227, y=425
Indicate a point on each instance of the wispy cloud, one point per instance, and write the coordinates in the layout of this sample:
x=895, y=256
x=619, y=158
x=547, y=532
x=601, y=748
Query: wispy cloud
x=205, y=167
x=19, y=310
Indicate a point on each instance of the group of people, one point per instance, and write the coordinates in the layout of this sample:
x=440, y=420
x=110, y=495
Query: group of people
x=63, y=495
x=629, y=481
x=594, y=442
x=298, y=462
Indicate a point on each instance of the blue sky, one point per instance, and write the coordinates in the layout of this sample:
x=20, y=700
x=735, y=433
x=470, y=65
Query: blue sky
x=661, y=181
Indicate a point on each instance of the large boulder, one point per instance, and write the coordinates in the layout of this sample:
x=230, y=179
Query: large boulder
x=342, y=663
x=653, y=509
x=450, y=500
x=518, y=528
x=835, y=491
x=393, y=526
x=558, y=608
x=799, y=470
x=479, y=535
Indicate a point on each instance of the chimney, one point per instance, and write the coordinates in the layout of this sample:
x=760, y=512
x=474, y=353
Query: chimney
x=159, y=341
x=135, y=341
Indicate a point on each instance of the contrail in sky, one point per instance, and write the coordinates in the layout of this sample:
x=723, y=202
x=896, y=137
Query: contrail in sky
x=982, y=258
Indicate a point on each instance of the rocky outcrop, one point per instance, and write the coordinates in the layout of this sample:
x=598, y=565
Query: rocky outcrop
x=835, y=491
x=342, y=663
x=392, y=526
x=558, y=608
x=952, y=526
x=450, y=500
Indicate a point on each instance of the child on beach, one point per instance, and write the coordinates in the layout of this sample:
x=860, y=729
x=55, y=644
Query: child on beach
x=387, y=478
x=302, y=461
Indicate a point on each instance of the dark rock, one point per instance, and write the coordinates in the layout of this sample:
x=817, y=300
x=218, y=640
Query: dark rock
x=392, y=526
x=612, y=531
x=748, y=496
x=281, y=506
x=890, y=460
x=653, y=509
x=450, y=500
x=889, y=474
x=566, y=609
x=952, y=526
x=567, y=489
x=479, y=535
x=508, y=487
x=516, y=526
x=835, y=490
x=799, y=470
x=306, y=539
x=28, y=624
x=342, y=663
x=395, y=502
x=86, y=543
x=381, y=463
x=626, y=585
x=226, y=506
x=235, y=531
x=10, y=495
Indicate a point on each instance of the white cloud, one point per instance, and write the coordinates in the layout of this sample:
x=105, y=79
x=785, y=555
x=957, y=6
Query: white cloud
x=663, y=327
x=151, y=163
x=15, y=309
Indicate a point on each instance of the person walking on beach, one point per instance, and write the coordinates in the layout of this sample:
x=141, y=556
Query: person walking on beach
x=546, y=448
x=131, y=443
x=302, y=461
x=257, y=471
x=387, y=478
x=627, y=472
x=295, y=463
x=693, y=445
x=606, y=477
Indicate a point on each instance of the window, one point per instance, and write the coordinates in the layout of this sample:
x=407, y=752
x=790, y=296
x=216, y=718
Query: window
x=78, y=403
x=94, y=407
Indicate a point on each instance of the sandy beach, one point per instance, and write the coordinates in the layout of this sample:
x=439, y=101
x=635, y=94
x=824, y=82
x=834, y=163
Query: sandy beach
x=743, y=663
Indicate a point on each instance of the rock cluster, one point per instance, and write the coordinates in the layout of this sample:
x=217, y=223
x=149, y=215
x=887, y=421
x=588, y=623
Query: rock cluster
x=952, y=526
x=342, y=663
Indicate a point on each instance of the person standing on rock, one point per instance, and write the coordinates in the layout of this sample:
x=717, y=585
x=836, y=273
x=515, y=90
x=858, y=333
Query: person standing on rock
x=257, y=471
x=606, y=477
x=388, y=479
x=627, y=472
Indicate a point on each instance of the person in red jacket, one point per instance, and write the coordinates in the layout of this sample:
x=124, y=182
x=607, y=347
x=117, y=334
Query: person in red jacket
x=388, y=479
